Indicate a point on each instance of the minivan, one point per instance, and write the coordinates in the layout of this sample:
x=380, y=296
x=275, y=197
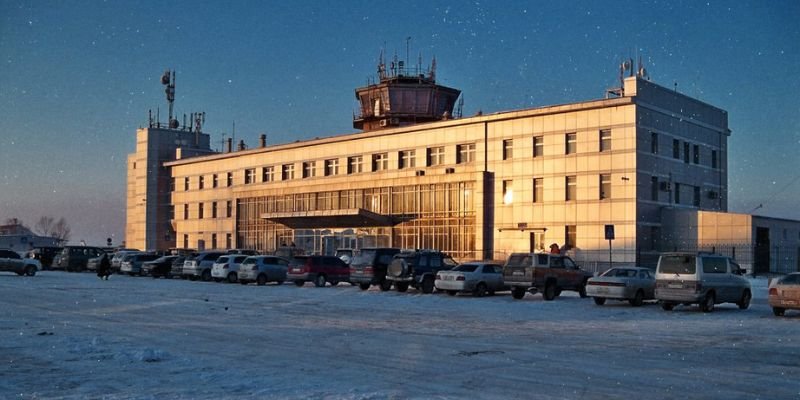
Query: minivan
x=318, y=269
x=368, y=267
x=75, y=258
x=705, y=279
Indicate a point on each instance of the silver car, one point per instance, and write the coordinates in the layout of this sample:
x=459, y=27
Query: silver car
x=700, y=278
x=478, y=278
x=263, y=269
x=227, y=267
x=633, y=284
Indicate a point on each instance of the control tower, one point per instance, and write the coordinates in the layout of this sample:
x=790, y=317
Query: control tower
x=403, y=96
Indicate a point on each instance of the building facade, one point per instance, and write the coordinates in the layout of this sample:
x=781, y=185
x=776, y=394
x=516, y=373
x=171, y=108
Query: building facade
x=479, y=187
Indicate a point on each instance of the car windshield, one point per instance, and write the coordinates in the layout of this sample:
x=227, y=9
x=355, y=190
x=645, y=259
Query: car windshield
x=677, y=264
x=519, y=260
x=466, y=268
x=364, y=257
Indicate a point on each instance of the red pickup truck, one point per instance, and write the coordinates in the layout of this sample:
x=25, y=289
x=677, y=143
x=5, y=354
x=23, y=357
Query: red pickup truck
x=548, y=273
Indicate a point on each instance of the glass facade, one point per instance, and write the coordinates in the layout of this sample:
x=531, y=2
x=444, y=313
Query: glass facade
x=434, y=216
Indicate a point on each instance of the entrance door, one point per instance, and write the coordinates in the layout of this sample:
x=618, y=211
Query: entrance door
x=762, y=261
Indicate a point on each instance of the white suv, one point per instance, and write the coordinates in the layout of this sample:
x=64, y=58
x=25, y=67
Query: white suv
x=227, y=267
x=11, y=261
x=700, y=278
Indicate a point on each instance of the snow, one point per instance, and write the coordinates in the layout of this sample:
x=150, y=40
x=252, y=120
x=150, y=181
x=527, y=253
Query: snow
x=73, y=336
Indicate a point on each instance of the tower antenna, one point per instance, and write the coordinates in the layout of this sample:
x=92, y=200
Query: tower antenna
x=168, y=80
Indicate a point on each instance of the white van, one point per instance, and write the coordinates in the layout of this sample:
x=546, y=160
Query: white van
x=700, y=278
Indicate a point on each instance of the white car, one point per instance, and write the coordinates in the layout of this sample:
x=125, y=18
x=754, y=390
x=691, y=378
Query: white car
x=227, y=267
x=11, y=261
x=633, y=284
x=478, y=278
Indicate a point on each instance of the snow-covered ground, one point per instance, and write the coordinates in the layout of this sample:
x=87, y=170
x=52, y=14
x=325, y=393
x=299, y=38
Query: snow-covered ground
x=67, y=335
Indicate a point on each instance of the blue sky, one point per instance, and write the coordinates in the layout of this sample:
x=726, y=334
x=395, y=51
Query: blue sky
x=77, y=78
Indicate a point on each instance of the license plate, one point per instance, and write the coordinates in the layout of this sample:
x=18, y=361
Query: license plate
x=602, y=290
x=675, y=286
x=518, y=273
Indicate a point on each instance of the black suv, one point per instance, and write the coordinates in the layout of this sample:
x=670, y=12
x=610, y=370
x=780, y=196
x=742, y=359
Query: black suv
x=418, y=269
x=369, y=266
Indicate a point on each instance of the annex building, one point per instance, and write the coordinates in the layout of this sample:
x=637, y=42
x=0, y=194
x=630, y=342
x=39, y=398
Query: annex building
x=476, y=187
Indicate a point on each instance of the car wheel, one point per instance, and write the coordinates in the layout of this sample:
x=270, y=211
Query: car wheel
x=427, y=285
x=232, y=278
x=206, y=276
x=778, y=311
x=549, y=291
x=30, y=270
x=261, y=280
x=480, y=290
x=401, y=286
x=452, y=292
x=599, y=301
x=744, y=303
x=667, y=306
x=385, y=285
x=637, y=299
x=299, y=283
x=320, y=281
x=517, y=293
x=708, y=303
x=363, y=286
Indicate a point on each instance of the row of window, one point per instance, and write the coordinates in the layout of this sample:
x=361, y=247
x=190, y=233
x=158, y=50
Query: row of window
x=201, y=243
x=675, y=191
x=214, y=213
x=688, y=151
x=570, y=192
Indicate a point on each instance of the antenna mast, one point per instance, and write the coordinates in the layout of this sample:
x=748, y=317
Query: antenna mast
x=168, y=80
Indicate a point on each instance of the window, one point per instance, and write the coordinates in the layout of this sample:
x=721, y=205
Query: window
x=406, y=159
x=605, y=186
x=538, y=190
x=213, y=240
x=714, y=159
x=686, y=147
x=677, y=193
x=201, y=182
x=229, y=179
x=287, y=172
x=214, y=209
x=309, y=169
x=171, y=184
x=572, y=188
x=185, y=241
x=215, y=181
x=249, y=176
x=267, y=174
x=508, y=192
x=380, y=162
x=696, y=154
x=185, y=211
x=228, y=209
x=355, y=164
x=676, y=149
x=572, y=143
x=570, y=236
x=538, y=146
x=228, y=241
x=653, y=142
x=696, y=197
x=605, y=139
x=200, y=210
x=654, y=188
x=508, y=149
x=332, y=167
x=186, y=183
x=465, y=153
x=435, y=156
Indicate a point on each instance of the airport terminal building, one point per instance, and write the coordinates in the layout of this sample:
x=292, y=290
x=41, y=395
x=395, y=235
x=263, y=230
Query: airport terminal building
x=420, y=176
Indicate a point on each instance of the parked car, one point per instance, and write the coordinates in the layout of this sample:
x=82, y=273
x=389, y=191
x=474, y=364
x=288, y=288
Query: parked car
x=478, y=278
x=263, y=269
x=94, y=262
x=76, y=258
x=161, y=266
x=544, y=272
x=132, y=263
x=418, y=268
x=46, y=255
x=177, y=265
x=369, y=265
x=318, y=269
x=226, y=267
x=11, y=261
x=200, y=265
x=116, y=259
x=784, y=294
x=633, y=284
x=700, y=278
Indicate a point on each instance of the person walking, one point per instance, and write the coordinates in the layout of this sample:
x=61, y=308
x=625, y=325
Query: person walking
x=104, y=268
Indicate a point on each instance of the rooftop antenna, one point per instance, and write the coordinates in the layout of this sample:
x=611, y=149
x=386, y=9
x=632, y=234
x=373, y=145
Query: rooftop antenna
x=168, y=80
x=408, y=40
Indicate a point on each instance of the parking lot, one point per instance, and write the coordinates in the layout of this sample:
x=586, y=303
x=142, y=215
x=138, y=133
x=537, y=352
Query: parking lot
x=71, y=335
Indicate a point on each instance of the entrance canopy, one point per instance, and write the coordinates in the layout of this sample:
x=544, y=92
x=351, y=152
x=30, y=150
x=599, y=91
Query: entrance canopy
x=347, y=218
